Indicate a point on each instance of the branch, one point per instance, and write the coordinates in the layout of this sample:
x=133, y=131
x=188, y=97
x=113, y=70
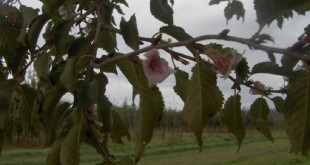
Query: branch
x=202, y=38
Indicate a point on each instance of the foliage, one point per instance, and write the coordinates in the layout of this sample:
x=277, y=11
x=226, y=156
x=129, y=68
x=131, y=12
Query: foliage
x=61, y=42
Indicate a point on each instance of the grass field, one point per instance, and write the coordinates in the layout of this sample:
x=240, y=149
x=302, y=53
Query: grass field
x=218, y=149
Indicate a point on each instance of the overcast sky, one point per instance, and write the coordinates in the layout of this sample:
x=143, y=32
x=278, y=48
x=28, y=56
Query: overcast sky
x=198, y=18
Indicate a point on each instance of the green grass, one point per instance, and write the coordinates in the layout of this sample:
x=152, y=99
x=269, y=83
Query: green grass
x=218, y=149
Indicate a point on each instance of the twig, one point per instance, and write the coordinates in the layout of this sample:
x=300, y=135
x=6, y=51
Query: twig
x=201, y=38
x=82, y=17
x=281, y=91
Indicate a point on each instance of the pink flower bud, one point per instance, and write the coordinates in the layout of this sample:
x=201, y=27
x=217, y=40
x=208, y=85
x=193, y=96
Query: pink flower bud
x=156, y=69
x=258, y=85
x=224, y=64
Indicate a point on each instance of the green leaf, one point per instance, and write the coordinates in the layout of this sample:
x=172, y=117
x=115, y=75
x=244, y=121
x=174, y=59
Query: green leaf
x=119, y=129
x=5, y=101
x=110, y=68
x=289, y=62
x=50, y=7
x=181, y=79
x=49, y=102
x=178, y=33
x=231, y=117
x=8, y=37
x=53, y=157
x=298, y=112
x=216, y=2
x=269, y=10
x=108, y=39
x=234, y=8
x=69, y=74
x=242, y=70
x=61, y=36
x=27, y=105
x=269, y=68
x=127, y=161
x=79, y=47
x=260, y=111
x=28, y=14
x=279, y=105
x=204, y=99
x=130, y=32
x=70, y=147
x=103, y=104
x=161, y=10
x=85, y=94
x=151, y=108
x=128, y=69
x=41, y=65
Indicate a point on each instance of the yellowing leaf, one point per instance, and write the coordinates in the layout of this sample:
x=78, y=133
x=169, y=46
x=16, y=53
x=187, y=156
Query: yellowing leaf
x=204, y=99
x=231, y=117
x=70, y=147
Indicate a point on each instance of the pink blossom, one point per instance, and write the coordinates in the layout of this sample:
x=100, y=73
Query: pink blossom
x=224, y=64
x=155, y=68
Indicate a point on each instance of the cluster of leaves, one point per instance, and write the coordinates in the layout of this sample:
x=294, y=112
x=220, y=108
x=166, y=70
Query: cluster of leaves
x=65, y=63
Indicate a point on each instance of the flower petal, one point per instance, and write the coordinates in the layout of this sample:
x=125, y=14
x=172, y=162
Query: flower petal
x=156, y=69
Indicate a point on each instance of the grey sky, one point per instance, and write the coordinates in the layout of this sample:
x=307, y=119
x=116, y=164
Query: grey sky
x=198, y=18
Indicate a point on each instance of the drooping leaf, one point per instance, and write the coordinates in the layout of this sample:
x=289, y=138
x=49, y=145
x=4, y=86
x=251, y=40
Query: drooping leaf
x=53, y=157
x=298, y=112
x=260, y=111
x=234, y=8
x=119, y=129
x=270, y=68
x=269, y=10
x=79, y=47
x=5, y=100
x=69, y=74
x=41, y=65
x=28, y=14
x=61, y=36
x=178, y=33
x=151, y=108
x=27, y=105
x=231, y=117
x=48, y=104
x=127, y=161
x=204, y=99
x=103, y=104
x=130, y=32
x=161, y=10
x=70, y=147
x=181, y=79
